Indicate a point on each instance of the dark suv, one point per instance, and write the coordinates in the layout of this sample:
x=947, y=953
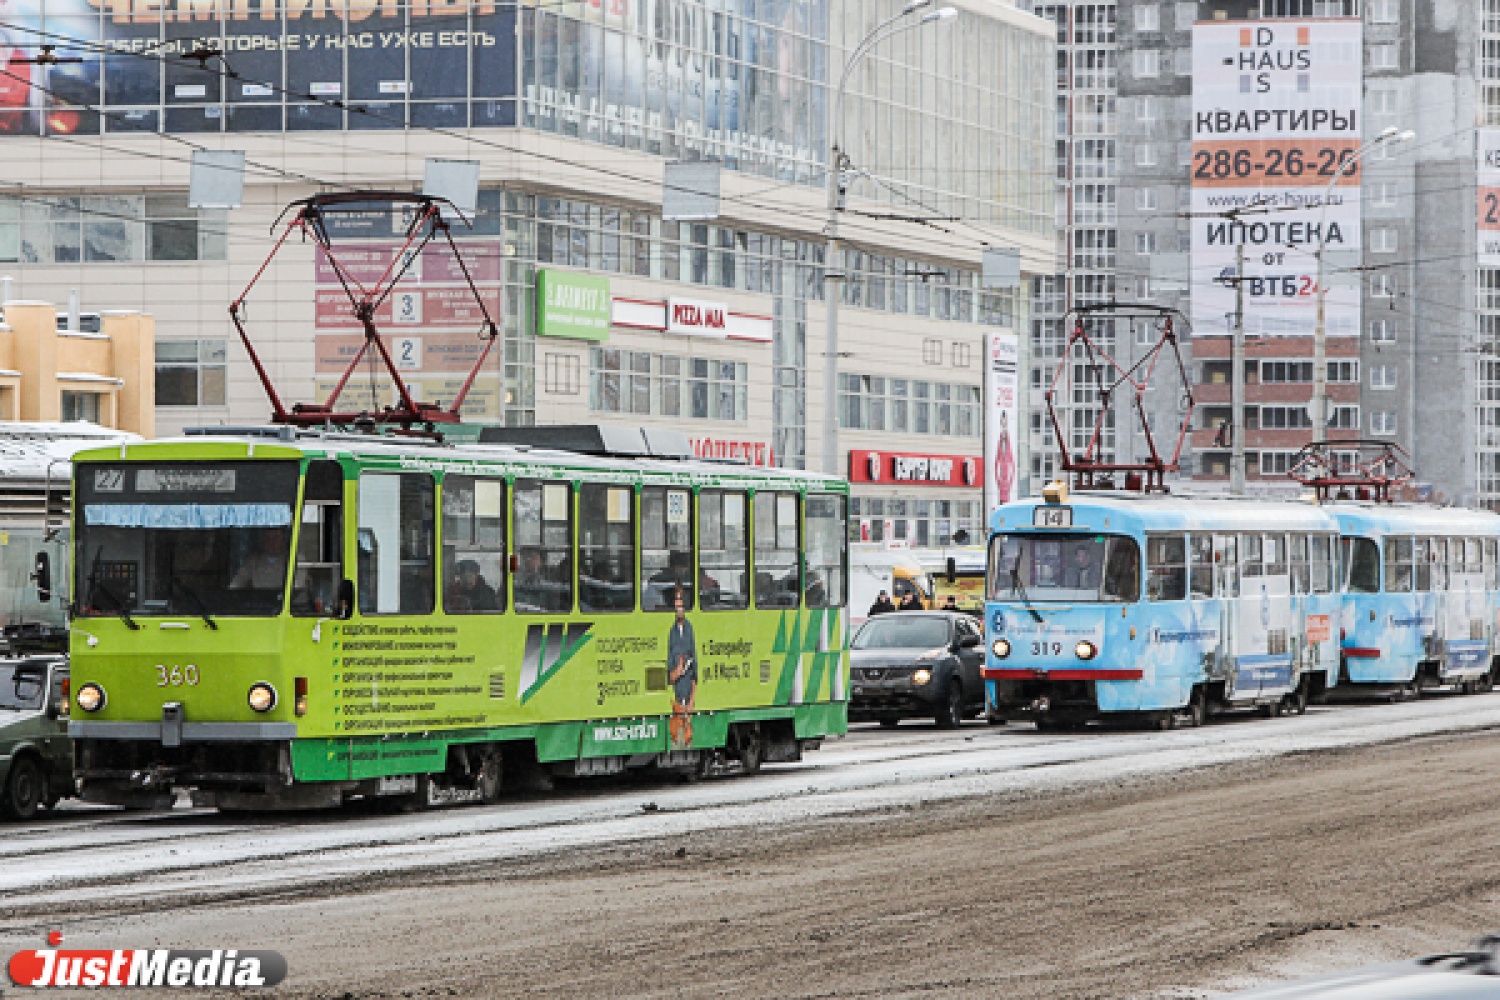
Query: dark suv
x=906, y=664
x=36, y=757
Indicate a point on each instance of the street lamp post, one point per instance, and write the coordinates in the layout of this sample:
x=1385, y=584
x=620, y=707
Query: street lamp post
x=833, y=270
x=1389, y=135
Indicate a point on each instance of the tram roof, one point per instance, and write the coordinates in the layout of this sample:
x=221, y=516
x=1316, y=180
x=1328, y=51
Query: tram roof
x=1416, y=519
x=1173, y=511
x=28, y=449
x=417, y=454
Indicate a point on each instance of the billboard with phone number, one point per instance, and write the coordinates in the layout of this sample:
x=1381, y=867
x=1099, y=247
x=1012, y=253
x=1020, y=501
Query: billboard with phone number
x=1276, y=130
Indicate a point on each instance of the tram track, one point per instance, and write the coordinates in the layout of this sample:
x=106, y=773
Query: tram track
x=53, y=866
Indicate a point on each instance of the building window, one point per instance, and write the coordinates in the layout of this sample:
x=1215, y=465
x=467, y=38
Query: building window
x=1145, y=109
x=665, y=385
x=1145, y=199
x=1145, y=155
x=904, y=406
x=1185, y=14
x=1286, y=371
x=562, y=375
x=1281, y=418
x=1343, y=371
x=1344, y=418
x=1148, y=17
x=1382, y=376
x=1382, y=194
x=963, y=354
x=109, y=229
x=1383, y=240
x=1382, y=331
x=932, y=351
x=1385, y=11
x=190, y=372
x=1277, y=463
x=81, y=406
x=1383, y=422
x=1385, y=57
x=1147, y=62
x=1384, y=102
x=1382, y=286
x=1142, y=288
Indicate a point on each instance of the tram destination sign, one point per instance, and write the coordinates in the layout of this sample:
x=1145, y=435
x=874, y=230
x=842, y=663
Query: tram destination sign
x=1052, y=517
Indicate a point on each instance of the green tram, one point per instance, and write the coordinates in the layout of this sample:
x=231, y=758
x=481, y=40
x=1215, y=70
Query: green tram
x=295, y=619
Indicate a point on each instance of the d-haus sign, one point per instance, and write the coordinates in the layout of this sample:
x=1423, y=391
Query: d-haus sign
x=915, y=470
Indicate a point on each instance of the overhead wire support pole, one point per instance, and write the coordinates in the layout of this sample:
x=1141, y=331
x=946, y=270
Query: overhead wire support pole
x=1237, y=469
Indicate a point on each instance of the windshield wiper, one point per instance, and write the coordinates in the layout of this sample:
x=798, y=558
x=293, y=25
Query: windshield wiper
x=96, y=587
x=1020, y=588
x=178, y=587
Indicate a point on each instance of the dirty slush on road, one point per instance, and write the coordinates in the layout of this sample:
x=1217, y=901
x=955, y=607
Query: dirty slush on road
x=1162, y=887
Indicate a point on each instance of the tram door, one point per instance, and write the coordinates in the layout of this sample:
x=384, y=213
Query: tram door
x=1227, y=588
x=1263, y=621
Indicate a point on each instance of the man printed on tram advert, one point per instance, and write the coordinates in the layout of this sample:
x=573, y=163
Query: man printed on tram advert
x=682, y=674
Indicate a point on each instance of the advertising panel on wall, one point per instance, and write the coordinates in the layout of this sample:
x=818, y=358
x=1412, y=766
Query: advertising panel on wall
x=1276, y=109
x=570, y=305
x=1487, y=211
x=1002, y=352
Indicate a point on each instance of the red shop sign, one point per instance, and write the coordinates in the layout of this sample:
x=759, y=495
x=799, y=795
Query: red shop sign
x=904, y=468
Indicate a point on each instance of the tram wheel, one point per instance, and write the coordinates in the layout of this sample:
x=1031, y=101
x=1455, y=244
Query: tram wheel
x=751, y=749
x=950, y=712
x=1272, y=710
x=1295, y=703
x=1197, y=708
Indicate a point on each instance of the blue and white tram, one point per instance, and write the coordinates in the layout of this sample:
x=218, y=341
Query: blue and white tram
x=1422, y=592
x=1103, y=604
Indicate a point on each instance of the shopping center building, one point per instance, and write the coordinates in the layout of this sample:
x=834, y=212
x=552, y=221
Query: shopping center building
x=609, y=311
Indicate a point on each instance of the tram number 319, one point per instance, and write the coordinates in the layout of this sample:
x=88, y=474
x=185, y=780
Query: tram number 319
x=1046, y=649
x=175, y=676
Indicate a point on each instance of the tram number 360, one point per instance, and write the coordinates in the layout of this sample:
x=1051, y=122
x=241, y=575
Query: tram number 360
x=175, y=676
x=1046, y=649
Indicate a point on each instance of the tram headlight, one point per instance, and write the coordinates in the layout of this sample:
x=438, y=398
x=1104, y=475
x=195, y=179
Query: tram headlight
x=1000, y=647
x=921, y=677
x=1085, y=650
x=262, y=697
x=90, y=697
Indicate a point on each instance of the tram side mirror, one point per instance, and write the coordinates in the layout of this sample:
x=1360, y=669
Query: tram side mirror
x=346, y=598
x=953, y=567
x=41, y=573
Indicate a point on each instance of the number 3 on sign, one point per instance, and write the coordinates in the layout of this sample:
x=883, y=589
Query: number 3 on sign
x=407, y=307
x=176, y=676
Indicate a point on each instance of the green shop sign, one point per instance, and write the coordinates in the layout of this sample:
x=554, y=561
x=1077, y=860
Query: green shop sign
x=572, y=305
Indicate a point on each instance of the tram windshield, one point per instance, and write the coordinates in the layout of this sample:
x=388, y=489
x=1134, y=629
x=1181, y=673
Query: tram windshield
x=1040, y=566
x=184, y=538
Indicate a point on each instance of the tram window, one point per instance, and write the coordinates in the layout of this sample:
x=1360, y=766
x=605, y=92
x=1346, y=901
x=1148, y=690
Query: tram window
x=473, y=544
x=1250, y=555
x=1455, y=561
x=1473, y=556
x=1297, y=561
x=666, y=548
x=396, y=543
x=1166, y=568
x=776, y=547
x=1226, y=556
x=1491, y=562
x=1202, y=579
x=1275, y=555
x=1037, y=566
x=1398, y=575
x=606, y=548
x=723, y=551
x=826, y=541
x=542, y=522
x=320, y=542
x=1362, y=565
x=1423, y=561
x=1320, y=549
